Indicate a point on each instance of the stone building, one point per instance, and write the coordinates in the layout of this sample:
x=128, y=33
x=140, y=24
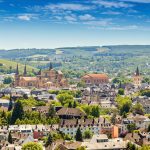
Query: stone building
x=44, y=79
x=95, y=79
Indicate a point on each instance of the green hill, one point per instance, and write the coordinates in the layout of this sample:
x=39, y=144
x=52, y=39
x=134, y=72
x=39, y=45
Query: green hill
x=7, y=66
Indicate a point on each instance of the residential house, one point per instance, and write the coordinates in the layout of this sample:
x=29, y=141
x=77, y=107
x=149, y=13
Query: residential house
x=70, y=113
x=70, y=126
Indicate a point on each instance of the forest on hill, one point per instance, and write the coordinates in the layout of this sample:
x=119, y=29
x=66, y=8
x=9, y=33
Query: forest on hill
x=76, y=61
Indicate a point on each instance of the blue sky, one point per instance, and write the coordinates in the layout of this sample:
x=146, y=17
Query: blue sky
x=58, y=23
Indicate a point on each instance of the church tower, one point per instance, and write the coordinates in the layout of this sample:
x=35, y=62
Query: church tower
x=25, y=71
x=17, y=76
x=137, y=78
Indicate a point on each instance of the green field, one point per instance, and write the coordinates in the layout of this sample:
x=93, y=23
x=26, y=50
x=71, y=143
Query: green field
x=7, y=66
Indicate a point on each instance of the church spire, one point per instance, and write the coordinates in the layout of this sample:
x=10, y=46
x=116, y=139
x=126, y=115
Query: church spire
x=17, y=70
x=50, y=66
x=40, y=71
x=137, y=73
x=25, y=70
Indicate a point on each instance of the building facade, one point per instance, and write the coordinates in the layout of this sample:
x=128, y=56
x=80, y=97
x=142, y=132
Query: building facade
x=43, y=79
x=71, y=126
x=95, y=79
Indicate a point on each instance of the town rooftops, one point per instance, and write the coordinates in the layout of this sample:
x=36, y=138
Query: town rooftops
x=112, y=144
x=29, y=78
x=79, y=122
x=99, y=137
x=70, y=112
x=69, y=145
x=97, y=76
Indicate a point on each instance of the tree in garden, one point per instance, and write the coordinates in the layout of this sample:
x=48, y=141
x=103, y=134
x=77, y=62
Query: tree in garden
x=10, y=105
x=70, y=104
x=51, y=112
x=64, y=98
x=145, y=147
x=10, y=140
x=81, y=148
x=131, y=127
x=49, y=140
x=95, y=112
x=87, y=134
x=121, y=91
x=131, y=146
x=79, y=135
x=113, y=119
x=17, y=112
x=138, y=109
x=67, y=137
x=124, y=115
x=7, y=80
x=32, y=146
x=125, y=108
x=124, y=104
x=145, y=93
x=74, y=104
x=3, y=115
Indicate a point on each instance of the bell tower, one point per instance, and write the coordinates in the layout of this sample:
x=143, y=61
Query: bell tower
x=137, y=78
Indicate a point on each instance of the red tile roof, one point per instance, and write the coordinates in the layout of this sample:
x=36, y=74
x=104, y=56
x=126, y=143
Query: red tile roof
x=97, y=76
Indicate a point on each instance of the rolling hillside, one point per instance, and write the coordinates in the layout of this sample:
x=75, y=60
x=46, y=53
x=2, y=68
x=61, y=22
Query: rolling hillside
x=76, y=61
x=7, y=66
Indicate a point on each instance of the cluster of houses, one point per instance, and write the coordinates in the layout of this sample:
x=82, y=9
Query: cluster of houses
x=105, y=134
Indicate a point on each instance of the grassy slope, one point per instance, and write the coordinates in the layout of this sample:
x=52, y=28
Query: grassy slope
x=8, y=63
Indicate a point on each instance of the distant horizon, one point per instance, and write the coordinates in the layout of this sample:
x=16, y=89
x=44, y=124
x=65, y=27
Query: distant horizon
x=78, y=46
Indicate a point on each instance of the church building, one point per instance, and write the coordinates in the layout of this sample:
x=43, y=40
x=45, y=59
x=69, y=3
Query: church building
x=137, y=79
x=44, y=79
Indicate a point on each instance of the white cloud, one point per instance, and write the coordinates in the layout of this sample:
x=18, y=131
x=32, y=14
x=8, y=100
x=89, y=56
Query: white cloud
x=110, y=4
x=27, y=17
x=118, y=28
x=58, y=17
x=104, y=22
x=111, y=13
x=24, y=17
x=131, y=27
x=138, y=1
x=86, y=17
x=72, y=7
x=70, y=18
